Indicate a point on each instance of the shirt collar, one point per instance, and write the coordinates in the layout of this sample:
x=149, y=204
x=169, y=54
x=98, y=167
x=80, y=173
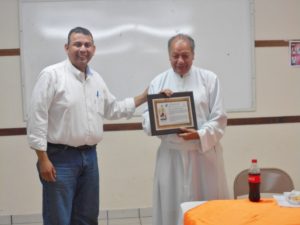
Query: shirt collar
x=77, y=73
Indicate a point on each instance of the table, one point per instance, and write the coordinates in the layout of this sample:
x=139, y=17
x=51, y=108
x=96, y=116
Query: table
x=239, y=212
x=185, y=206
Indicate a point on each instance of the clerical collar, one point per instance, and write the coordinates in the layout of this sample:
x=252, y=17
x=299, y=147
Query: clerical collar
x=184, y=75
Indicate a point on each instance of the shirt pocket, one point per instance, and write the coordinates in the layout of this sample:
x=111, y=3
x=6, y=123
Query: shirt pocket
x=100, y=105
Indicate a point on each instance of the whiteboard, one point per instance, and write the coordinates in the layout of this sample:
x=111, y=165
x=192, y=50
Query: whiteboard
x=131, y=39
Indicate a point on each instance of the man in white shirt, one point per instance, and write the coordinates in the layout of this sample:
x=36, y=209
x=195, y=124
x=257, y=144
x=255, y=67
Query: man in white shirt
x=189, y=165
x=65, y=123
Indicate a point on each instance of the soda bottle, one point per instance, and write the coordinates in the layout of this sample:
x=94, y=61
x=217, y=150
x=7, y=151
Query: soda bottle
x=254, y=181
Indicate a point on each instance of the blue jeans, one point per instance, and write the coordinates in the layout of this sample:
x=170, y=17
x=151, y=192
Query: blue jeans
x=73, y=199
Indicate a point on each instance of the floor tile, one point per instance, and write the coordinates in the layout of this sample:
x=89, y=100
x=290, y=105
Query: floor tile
x=27, y=219
x=145, y=212
x=146, y=220
x=27, y=223
x=103, y=215
x=4, y=219
x=125, y=221
x=123, y=213
x=103, y=222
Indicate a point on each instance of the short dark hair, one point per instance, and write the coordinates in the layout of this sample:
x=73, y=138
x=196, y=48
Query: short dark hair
x=79, y=30
x=182, y=37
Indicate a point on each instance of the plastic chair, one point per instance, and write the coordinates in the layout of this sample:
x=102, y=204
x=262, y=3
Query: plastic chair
x=273, y=180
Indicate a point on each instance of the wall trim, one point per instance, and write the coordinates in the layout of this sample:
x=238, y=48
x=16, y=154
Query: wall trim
x=271, y=43
x=10, y=52
x=258, y=43
x=138, y=126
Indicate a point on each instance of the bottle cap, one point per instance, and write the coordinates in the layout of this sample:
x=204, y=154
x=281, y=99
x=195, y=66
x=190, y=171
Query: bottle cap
x=254, y=160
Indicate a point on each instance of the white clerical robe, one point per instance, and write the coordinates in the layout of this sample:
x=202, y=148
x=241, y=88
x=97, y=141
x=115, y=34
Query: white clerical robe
x=189, y=170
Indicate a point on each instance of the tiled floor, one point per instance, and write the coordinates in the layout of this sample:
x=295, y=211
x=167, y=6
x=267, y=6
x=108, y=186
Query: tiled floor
x=110, y=217
x=123, y=221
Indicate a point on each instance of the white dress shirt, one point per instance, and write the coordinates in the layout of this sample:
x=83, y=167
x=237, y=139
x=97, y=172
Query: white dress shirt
x=68, y=109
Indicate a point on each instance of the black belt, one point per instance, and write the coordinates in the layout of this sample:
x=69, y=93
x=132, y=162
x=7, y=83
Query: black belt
x=61, y=146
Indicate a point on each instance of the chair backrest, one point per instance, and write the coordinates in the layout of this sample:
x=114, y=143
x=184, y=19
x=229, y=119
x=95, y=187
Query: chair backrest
x=273, y=180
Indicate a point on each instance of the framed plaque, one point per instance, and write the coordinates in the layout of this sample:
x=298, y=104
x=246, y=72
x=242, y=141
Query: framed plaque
x=168, y=114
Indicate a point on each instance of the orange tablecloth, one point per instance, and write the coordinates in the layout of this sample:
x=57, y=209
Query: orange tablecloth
x=242, y=212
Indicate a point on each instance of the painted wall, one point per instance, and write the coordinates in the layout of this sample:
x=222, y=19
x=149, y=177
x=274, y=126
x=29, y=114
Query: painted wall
x=127, y=158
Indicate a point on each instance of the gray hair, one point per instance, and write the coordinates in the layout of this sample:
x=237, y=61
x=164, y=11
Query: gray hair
x=184, y=37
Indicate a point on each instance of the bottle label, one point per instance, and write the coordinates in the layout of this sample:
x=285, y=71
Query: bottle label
x=254, y=178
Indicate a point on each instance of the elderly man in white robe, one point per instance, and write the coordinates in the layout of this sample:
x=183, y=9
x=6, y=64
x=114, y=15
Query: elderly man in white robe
x=189, y=165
